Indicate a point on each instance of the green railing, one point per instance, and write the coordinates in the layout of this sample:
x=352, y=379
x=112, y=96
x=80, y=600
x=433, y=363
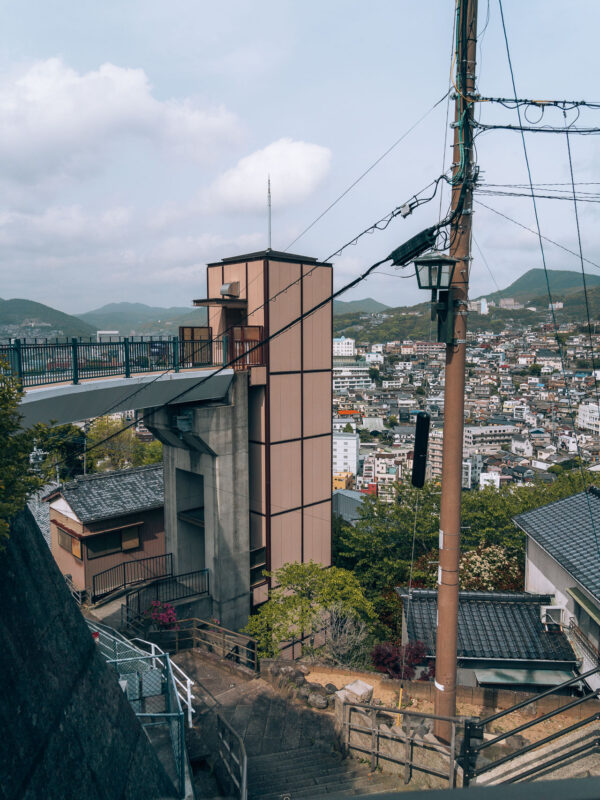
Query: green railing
x=39, y=364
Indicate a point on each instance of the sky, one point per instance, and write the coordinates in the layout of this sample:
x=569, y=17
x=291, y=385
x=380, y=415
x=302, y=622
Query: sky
x=136, y=139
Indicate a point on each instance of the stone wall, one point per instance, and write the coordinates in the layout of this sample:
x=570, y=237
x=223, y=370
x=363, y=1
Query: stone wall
x=68, y=729
x=488, y=700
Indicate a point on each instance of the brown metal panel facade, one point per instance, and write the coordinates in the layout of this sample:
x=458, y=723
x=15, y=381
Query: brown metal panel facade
x=290, y=416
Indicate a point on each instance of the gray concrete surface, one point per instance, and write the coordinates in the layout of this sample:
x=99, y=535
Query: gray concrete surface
x=68, y=729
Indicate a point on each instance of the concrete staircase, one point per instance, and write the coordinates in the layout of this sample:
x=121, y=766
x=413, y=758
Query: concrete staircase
x=310, y=772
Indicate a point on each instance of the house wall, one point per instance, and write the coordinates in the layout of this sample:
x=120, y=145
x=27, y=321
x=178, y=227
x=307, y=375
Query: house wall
x=151, y=538
x=67, y=563
x=543, y=575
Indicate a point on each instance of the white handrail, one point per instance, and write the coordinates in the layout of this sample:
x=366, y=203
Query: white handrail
x=186, y=696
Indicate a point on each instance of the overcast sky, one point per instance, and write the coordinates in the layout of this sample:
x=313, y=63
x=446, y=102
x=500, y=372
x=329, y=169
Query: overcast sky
x=136, y=138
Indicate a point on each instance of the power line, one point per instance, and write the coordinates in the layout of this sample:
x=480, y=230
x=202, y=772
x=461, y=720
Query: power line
x=530, y=230
x=547, y=277
x=481, y=126
x=585, y=292
x=366, y=172
x=487, y=266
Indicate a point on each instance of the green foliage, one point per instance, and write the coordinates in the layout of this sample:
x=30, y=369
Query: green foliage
x=64, y=446
x=17, y=480
x=378, y=548
x=123, y=448
x=304, y=593
x=347, y=428
x=535, y=369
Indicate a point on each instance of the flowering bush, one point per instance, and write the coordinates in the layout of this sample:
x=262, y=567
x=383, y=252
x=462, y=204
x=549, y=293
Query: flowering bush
x=490, y=569
x=163, y=615
x=401, y=661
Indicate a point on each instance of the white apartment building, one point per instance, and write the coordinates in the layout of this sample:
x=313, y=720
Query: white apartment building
x=488, y=435
x=374, y=358
x=345, y=452
x=351, y=377
x=396, y=383
x=588, y=418
x=471, y=470
x=344, y=347
x=339, y=423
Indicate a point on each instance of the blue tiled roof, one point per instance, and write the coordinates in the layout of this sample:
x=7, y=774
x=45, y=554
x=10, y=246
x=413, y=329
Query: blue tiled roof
x=112, y=494
x=569, y=530
x=505, y=626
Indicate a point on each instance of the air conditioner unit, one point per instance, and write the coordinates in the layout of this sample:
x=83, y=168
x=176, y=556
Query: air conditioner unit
x=551, y=617
x=231, y=289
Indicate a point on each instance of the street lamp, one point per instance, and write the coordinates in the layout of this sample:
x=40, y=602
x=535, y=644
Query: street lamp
x=434, y=272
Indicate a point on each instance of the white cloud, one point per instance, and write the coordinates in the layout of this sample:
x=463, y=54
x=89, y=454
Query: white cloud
x=296, y=169
x=56, y=120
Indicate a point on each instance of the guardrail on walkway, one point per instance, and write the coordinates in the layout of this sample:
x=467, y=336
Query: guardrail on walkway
x=211, y=637
x=166, y=590
x=233, y=755
x=474, y=741
x=383, y=733
x=71, y=362
x=131, y=572
x=151, y=688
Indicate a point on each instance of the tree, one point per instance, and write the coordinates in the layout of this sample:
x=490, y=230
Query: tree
x=304, y=594
x=64, y=446
x=535, y=369
x=122, y=448
x=17, y=479
x=490, y=569
x=348, y=428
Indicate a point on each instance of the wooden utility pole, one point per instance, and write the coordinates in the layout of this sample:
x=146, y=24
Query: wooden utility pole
x=454, y=390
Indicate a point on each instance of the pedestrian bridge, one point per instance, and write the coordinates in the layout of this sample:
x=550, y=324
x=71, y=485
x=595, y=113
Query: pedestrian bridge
x=77, y=379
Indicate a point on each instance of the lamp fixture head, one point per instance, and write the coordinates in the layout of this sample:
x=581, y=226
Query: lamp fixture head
x=434, y=271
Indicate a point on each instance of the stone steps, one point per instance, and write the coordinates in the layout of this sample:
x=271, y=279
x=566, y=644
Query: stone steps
x=312, y=773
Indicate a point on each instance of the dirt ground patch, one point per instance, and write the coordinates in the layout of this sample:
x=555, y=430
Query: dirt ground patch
x=388, y=696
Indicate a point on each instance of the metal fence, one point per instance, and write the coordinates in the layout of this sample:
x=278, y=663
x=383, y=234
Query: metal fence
x=165, y=590
x=69, y=362
x=398, y=736
x=213, y=638
x=149, y=684
x=476, y=738
x=131, y=572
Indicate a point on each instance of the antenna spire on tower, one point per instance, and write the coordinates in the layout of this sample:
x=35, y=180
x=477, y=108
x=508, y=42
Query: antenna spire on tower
x=269, y=206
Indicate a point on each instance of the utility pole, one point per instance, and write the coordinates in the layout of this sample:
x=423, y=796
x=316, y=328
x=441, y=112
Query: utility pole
x=454, y=390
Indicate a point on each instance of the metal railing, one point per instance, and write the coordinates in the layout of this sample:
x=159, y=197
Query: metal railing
x=233, y=755
x=396, y=735
x=131, y=572
x=165, y=590
x=151, y=688
x=182, y=681
x=77, y=594
x=474, y=742
x=76, y=360
x=211, y=637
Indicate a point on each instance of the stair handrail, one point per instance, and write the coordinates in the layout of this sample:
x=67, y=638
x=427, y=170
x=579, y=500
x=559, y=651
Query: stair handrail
x=181, y=680
x=227, y=757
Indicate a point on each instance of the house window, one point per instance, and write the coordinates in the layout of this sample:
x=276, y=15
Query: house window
x=69, y=543
x=105, y=544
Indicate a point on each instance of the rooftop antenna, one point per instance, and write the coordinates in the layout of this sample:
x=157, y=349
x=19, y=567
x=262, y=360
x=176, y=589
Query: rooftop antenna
x=269, y=206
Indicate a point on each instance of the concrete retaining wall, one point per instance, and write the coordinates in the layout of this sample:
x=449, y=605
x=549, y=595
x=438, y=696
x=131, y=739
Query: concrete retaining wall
x=68, y=730
x=488, y=700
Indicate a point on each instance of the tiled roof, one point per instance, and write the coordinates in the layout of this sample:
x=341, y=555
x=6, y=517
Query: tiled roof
x=491, y=625
x=112, y=494
x=41, y=511
x=569, y=530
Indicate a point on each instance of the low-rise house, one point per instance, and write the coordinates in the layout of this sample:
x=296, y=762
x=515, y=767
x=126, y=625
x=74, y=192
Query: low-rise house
x=563, y=559
x=101, y=521
x=502, y=638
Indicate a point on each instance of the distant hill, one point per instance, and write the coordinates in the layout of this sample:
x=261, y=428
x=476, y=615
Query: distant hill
x=366, y=306
x=143, y=319
x=532, y=285
x=27, y=313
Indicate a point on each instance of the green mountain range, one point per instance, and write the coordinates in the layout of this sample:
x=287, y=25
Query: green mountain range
x=366, y=306
x=29, y=314
x=144, y=320
x=532, y=285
